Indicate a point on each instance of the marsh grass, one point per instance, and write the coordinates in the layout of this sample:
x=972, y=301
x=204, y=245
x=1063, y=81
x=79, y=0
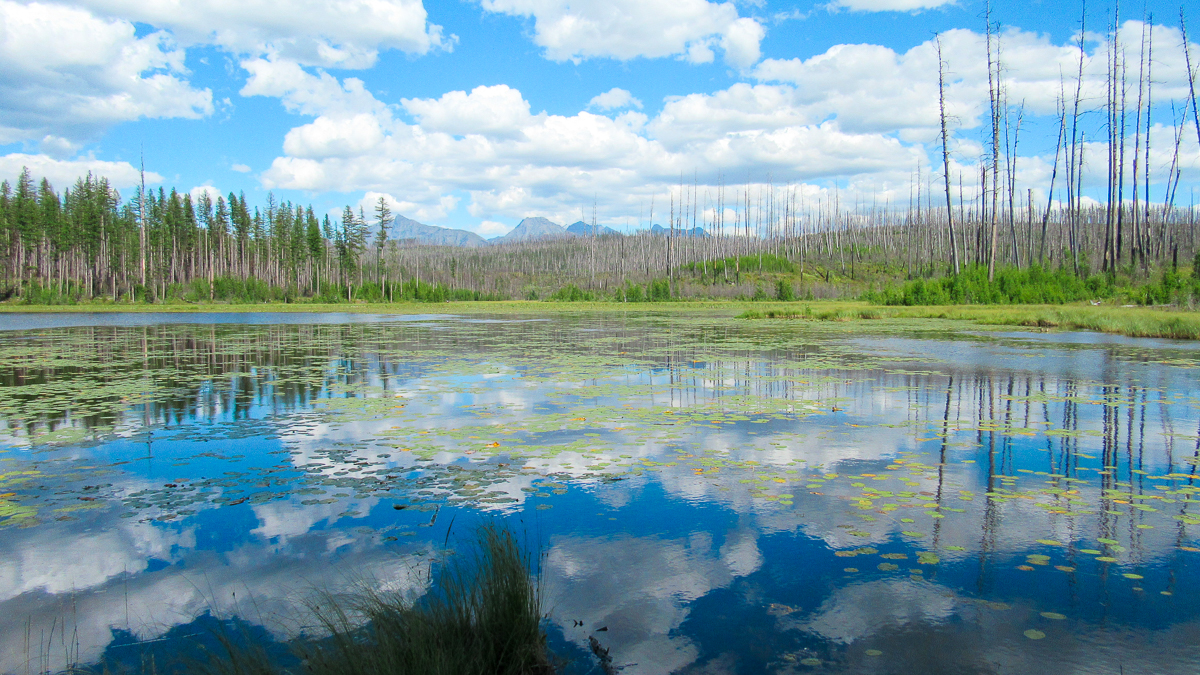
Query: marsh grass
x=482, y=616
x=1134, y=321
x=1131, y=321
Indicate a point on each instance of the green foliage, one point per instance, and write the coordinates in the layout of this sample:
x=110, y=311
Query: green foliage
x=483, y=616
x=1031, y=286
x=571, y=293
x=413, y=290
x=34, y=293
x=658, y=290
x=1169, y=289
x=231, y=289
x=712, y=271
x=784, y=290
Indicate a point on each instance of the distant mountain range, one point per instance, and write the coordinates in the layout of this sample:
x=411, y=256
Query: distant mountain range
x=529, y=229
x=582, y=229
x=691, y=232
x=405, y=228
x=532, y=229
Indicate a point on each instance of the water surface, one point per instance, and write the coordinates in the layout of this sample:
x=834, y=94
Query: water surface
x=722, y=495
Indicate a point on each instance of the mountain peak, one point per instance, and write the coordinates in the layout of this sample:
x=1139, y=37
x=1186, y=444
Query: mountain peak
x=582, y=229
x=531, y=229
x=407, y=228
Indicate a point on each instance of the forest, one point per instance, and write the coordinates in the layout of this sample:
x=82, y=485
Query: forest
x=967, y=233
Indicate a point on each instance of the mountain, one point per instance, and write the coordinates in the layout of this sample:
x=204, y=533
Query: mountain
x=532, y=229
x=693, y=232
x=582, y=229
x=405, y=228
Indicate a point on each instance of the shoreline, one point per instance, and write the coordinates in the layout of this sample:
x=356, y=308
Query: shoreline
x=1147, y=322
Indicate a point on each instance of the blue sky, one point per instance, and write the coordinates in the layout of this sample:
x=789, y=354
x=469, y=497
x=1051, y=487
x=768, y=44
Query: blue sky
x=476, y=114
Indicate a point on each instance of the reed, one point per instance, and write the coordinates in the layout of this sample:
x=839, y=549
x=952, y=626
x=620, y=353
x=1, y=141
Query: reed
x=483, y=616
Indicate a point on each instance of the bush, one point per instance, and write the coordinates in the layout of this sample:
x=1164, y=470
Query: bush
x=571, y=293
x=1031, y=286
x=784, y=291
x=658, y=290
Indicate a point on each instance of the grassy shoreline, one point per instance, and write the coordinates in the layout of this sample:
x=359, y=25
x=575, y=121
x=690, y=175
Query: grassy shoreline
x=1130, y=321
x=1120, y=320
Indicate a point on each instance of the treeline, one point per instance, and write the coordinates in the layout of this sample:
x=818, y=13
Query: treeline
x=86, y=243
x=765, y=242
x=764, y=239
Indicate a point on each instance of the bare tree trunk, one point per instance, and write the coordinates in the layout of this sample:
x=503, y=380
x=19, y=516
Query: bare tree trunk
x=946, y=156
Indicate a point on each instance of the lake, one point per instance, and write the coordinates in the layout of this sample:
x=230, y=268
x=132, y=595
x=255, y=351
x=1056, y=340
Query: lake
x=722, y=495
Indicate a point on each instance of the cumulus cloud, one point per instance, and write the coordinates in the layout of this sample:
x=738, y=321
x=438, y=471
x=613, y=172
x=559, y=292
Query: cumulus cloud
x=489, y=111
x=613, y=99
x=308, y=94
x=64, y=173
x=344, y=34
x=490, y=228
x=864, y=115
x=70, y=71
x=874, y=88
x=514, y=162
x=628, y=29
x=206, y=189
x=641, y=587
x=66, y=75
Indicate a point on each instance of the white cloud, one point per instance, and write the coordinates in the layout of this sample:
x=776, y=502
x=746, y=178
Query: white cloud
x=490, y=228
x=873, y=88
x=334, y=137
x=515, y=163
x=628, y=29
x=308, y=94
x=489, y=111
x=208, y=189
x=344, y=34
x=66, y=75
x=863, y=115
x=613, y=99
x=741, y=42
x=57, y=146
x=70, y=71
x=64, y=173
x=889, y=5
x=240, y=168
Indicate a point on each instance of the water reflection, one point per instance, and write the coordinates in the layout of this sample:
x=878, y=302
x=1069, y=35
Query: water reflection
x=724, y=496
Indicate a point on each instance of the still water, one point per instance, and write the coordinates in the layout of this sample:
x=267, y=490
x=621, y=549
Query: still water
x=725, y=496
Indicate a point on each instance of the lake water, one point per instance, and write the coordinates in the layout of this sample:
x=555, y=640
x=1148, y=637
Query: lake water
x=725, y=496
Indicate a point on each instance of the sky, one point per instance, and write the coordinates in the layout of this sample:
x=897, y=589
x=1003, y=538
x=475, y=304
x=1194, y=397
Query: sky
x=478, y=113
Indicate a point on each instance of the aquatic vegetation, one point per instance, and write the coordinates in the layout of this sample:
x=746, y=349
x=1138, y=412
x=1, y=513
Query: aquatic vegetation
x=1131, y=321
x=900, y=444
x=482, y=616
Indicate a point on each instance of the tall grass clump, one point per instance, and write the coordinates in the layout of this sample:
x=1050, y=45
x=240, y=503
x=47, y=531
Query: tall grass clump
x=482, y=616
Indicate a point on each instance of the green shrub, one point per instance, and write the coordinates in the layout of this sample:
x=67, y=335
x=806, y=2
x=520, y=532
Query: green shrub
x=571, y=293
x=658, y=290
x=1031, y=286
